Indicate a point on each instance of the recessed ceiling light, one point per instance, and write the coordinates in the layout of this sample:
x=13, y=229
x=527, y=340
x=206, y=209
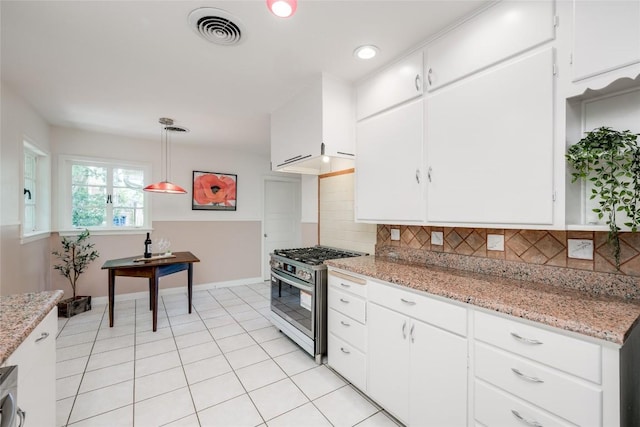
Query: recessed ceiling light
x=282, y=8
x=366, y=51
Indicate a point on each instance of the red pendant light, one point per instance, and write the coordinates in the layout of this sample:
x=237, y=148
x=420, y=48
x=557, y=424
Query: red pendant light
x=282, y=8
x=166, y=186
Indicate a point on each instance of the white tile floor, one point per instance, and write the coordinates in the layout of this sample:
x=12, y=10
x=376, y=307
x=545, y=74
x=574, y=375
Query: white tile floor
x=222, y=365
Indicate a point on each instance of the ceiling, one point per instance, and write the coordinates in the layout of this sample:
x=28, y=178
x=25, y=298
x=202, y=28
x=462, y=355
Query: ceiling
x=117, y=66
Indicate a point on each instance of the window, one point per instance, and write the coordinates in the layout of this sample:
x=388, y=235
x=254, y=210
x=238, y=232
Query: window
x=35, y=191
x=104, y=194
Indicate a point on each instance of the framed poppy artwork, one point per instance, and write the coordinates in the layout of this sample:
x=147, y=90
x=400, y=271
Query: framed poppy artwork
x=214, y=191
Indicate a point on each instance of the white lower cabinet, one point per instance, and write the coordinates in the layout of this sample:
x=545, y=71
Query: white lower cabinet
x=416, y=371
x=36, y=360
x=347, y=327
x=430, y=362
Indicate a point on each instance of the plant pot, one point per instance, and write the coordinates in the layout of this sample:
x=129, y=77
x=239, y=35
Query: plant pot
x=72, y=306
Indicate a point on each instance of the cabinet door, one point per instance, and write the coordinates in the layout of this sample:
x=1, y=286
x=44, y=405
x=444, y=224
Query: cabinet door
x=388, y=353
x=438, y=377
x=36, y=360
x=396, y=84
x=490, y=146
x=504, y=30
x=606, y=36
x=389, y=162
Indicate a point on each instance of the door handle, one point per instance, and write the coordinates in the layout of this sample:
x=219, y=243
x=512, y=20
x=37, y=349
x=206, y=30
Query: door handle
x=404, y=330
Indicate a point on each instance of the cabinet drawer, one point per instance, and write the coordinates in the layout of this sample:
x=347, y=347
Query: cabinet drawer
x=494, y=407
x=568, y=354
x=348, y=304
x=347, y=329
x=348, y=361
x=438, y=313
x=348, y=283
x=40, y=342
x=572, y=399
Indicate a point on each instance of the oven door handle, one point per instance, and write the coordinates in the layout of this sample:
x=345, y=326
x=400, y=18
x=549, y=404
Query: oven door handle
x=292, y=283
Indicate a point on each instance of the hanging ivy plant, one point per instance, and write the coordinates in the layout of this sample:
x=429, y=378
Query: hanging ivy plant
x=610, y=159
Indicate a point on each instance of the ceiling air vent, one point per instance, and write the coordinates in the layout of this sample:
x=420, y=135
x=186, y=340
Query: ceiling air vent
x=216, y=26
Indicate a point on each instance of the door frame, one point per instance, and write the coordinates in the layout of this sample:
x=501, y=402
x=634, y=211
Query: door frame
x=275, y=178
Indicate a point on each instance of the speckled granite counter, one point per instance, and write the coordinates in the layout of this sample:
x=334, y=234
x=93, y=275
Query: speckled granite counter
x=607, y=318
x=20, y=314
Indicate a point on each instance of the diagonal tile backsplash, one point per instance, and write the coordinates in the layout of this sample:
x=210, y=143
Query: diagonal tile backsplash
x=539, y=247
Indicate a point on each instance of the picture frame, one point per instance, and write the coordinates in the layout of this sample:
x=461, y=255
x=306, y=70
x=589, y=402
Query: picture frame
x=214, y=191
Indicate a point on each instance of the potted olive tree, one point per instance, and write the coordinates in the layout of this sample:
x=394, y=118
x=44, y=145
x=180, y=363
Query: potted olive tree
x=76, y=255
x=610, y=160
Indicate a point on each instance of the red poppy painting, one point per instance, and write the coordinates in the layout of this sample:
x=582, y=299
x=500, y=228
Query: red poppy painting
x=214, y=191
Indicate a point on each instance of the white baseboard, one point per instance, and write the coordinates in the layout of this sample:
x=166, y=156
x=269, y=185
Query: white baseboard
x=180, y=290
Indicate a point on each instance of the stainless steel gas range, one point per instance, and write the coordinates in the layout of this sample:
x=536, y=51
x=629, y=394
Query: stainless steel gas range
x=299, y=294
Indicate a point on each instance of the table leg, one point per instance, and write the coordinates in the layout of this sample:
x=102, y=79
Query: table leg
x=155, y=298
x=112, y=289
x=150, y=293
x=190, y=284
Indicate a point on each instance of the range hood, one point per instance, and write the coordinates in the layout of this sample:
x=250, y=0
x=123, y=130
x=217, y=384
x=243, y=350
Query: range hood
x=314, y=132
x=316, y=165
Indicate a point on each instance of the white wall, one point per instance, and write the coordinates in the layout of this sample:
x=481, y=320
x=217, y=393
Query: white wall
x=23, y=267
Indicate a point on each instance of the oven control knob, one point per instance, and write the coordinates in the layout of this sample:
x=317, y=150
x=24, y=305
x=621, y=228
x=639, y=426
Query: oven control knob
x=304, y=275
x=276, y=264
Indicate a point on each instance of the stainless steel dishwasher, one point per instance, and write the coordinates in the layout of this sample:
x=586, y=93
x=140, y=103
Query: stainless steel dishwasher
x=10, y=414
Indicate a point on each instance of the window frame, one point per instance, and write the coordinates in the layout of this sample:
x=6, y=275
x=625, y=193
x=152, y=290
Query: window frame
x=41, y=193
x=65, y=163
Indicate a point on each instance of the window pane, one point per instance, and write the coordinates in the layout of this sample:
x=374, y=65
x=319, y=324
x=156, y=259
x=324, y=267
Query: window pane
x=128, y=178
x=89, y=195
x=88, y=206
x=29, y=218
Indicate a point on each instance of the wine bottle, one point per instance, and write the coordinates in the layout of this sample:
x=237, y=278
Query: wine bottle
x=147, y=247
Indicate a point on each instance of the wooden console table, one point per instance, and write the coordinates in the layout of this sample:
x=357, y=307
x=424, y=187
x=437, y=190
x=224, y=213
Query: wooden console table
x=153, y=269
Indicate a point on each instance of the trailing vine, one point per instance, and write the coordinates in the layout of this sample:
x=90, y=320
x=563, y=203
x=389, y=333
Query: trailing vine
x=610, y=159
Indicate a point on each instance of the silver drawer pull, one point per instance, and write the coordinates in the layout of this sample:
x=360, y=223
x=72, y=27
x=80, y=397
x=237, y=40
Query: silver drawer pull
x=344, y=351
x=525, y=340
x=43, y=336
x=345, y=285
x=524, y=420
x=407, y=301
x=343, y=323
x=344, y=300
x=526, y=377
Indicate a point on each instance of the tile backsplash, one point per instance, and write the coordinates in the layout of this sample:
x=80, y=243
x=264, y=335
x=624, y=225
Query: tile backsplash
x=539, y=247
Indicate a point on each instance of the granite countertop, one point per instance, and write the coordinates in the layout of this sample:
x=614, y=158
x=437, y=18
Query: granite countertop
x=607, y=318
x=19, y=316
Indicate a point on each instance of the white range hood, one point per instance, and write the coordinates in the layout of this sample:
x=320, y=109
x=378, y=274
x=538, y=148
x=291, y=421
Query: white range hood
x=318, y=123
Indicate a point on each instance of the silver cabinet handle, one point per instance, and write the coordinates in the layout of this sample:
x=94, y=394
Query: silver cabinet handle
x=525, y=340
x=418, y=176
x=429, y=173
x=343, y=323
x=344, y=351
x=22, y=415
x=413, y=326
x=43, y=336
x=345, y=285
x=524, y=420
x=404, y=330
x=418, y=82
x=407, y=301
x=526, y=377
x=344, y=300
x=429, y=76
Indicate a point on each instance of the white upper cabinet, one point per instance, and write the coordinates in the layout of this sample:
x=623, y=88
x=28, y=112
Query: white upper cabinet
x=398, y=83
x=606, y=36
x=389, y=166
x=321, y=117
x=502, y=31
x=490, y=146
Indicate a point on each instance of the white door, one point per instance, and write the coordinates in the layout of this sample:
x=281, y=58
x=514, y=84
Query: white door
x=281, y=226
